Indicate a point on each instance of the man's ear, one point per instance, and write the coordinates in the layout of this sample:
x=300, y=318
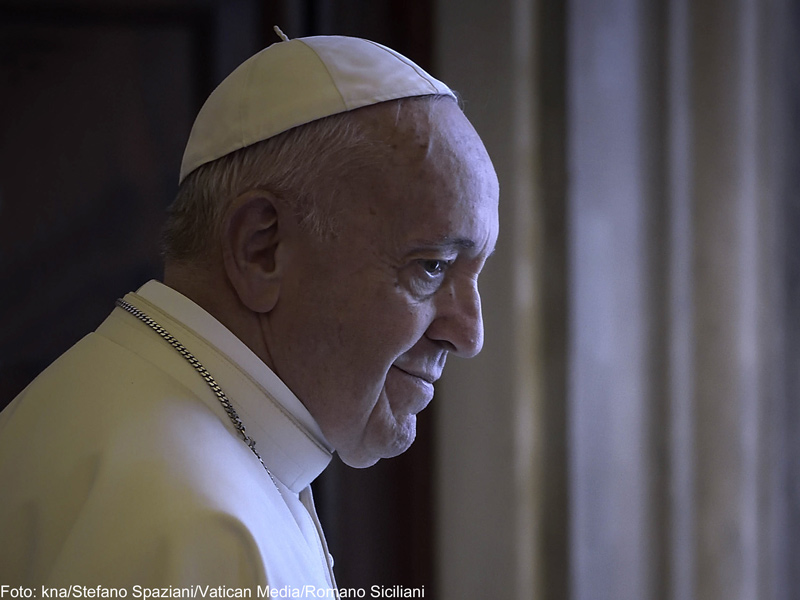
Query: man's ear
x=252, y=249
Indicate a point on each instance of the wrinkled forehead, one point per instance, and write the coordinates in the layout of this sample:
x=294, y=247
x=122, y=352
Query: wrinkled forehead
x=426, y=152
x=413, y=129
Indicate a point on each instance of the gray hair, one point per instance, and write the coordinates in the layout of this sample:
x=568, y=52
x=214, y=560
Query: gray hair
x=300, y=165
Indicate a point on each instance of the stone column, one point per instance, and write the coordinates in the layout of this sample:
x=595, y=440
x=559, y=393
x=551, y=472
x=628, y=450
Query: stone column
x=613, y=400
x=734, y=276
x=675, y=484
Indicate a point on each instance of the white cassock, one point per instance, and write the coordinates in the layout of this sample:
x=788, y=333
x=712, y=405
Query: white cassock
x=120, y=467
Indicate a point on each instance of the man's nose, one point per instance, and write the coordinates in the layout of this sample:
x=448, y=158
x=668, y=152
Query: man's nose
x=459, y=323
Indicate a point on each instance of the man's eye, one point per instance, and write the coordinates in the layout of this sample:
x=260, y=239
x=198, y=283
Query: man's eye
x=434, y=267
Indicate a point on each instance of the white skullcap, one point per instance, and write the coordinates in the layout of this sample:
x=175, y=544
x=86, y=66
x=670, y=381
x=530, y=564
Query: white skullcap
x=295, y=82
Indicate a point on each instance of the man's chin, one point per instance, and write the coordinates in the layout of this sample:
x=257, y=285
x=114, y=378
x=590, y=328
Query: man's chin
x=366, y=455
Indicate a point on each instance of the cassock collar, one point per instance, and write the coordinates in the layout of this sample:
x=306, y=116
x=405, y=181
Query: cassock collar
x=288, y=438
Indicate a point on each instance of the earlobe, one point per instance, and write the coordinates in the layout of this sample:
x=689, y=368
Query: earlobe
x=251, y=245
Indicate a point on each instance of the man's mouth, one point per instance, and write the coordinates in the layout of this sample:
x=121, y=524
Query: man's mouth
x=420, y=374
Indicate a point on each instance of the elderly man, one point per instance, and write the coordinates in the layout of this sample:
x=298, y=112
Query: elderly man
x=322, y=259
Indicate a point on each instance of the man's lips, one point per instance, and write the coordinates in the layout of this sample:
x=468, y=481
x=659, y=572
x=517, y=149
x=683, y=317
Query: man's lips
x=429, y=378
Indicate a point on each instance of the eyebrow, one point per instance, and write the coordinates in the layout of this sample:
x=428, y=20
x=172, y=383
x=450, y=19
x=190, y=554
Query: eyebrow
x=444, y=243
x=447, y=243
x=463, y=244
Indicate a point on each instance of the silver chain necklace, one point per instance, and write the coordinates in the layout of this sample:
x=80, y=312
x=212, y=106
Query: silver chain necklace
x=223, y=399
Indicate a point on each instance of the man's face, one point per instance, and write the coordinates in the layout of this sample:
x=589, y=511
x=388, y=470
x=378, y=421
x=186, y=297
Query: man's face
x=365, y=320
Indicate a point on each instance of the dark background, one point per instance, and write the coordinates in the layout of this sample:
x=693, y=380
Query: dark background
x=96, y=102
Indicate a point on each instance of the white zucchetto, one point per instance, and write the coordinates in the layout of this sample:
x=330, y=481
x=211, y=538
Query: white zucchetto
x=294, y=82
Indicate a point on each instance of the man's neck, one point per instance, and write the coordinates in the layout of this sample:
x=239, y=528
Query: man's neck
x=209, y=288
